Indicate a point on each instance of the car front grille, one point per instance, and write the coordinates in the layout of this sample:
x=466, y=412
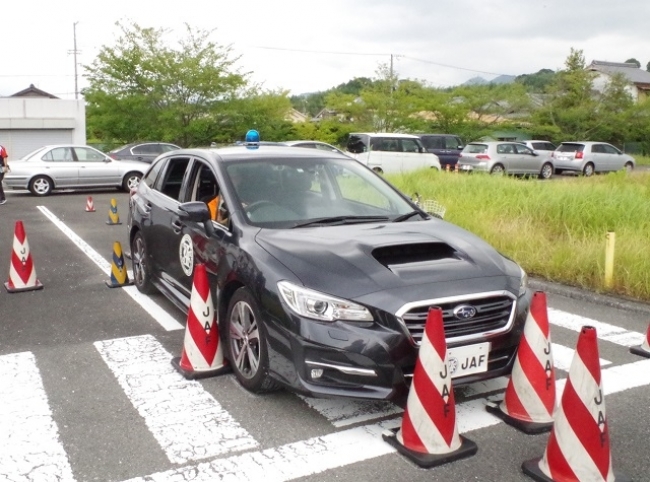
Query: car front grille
x=494, y=314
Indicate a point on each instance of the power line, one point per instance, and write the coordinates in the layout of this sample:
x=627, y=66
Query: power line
x=451, y=66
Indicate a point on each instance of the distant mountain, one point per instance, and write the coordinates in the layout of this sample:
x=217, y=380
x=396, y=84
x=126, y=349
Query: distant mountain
x=501, y=79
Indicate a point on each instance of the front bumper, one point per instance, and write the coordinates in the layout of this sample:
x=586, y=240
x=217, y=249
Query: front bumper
x=369, y=361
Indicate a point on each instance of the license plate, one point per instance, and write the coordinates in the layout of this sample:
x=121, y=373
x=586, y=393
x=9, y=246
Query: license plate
x=468, y=360
x=465, y=167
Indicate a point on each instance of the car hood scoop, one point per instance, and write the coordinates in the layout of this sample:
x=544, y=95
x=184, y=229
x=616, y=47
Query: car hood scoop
x=354, y=260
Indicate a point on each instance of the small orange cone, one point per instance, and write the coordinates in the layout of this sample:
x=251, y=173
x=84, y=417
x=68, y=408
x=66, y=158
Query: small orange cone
x=530, y=396
x=119, y=275
x=644, y=349
x=113, y=216
x=578, y=448
x=202, y=354
x=429, y=432
x=22, y=274
x=90, y=206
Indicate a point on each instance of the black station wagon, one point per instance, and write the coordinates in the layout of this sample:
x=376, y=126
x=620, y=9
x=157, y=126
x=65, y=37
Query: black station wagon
x=322, y=272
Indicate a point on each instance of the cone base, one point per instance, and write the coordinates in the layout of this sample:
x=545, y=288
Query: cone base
x=527, y=427
x=37, y=286
x=111, y=285
x=466, y=449
x=91, y=211
x=112, y=224
x=637, y=350
x=196, y=374
x=532, y=470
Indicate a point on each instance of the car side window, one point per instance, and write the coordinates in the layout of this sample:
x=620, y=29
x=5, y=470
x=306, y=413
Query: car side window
x=171, y=182
x=86, y=154
x=452, y=142
x=410, y=145
x=167, y=147
x=59, y=154
x=505, y=149
x=390, y=145
x=145, y=149
x=597, y=149
x=609, y=149
x=521, y=149
x=204, y=187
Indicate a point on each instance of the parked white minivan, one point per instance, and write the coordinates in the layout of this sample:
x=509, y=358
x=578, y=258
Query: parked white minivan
x=390, y=153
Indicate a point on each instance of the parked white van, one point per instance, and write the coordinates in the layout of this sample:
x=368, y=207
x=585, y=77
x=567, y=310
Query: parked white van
x=390, y=153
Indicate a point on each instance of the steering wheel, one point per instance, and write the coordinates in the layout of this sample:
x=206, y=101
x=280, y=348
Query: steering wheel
x=251, y=208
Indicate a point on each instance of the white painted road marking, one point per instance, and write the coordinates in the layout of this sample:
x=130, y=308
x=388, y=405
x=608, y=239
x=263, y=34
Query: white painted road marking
x=347, y=412
x=188, y=423
x=316, y=455
x=563, y=356
x=605, y=331
x=30, y=449
x=157, y=313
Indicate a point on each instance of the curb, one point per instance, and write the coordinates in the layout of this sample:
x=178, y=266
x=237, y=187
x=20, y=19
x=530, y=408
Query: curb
x=591, y=296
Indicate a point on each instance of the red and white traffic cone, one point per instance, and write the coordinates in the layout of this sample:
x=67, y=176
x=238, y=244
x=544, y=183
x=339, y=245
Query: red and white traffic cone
x=530, y=396
x=22, y=274
x=578, y=448
x=429, y=433
x=644, y=349
x=90, y=206
x=202, y=354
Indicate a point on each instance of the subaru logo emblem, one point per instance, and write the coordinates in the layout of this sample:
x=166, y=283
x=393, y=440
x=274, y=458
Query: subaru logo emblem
x=464, y=312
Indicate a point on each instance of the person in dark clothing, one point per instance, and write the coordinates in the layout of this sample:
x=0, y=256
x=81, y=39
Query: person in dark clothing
x=4, y=167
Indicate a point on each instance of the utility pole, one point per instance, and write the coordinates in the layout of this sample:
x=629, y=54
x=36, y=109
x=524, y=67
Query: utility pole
x=75, y=52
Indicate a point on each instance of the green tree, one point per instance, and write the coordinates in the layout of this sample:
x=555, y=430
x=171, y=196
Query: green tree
x=633, y=61
x=141, y=88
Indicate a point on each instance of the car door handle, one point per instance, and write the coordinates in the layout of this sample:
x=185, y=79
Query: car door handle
x=178, y=227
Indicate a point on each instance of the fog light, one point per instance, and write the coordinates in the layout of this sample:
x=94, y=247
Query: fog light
x=316, y=372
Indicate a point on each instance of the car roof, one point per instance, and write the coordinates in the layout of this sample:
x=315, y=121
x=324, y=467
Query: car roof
x=292, y=143
x=246, y=152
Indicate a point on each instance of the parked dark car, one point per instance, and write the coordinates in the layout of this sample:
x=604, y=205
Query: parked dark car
x=446, y=146
x=142, y=151
x=323, y=273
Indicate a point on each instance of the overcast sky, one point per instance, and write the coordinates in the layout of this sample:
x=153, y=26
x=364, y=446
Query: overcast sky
x=313, y=45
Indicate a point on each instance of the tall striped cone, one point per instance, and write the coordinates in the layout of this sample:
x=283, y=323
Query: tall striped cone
x=202, y=354
x=22, y=274
x=530, y=396
x=429, y=433
x=113, y=216
x=578, y=447
x=644, y=349
x=119, y=275
x=90, y=206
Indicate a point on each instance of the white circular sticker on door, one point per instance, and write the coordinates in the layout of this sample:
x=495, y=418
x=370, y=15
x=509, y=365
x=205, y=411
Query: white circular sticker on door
x=186, y=254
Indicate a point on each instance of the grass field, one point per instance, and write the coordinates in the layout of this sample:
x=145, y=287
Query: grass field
x=555, y=229
x=642, y=160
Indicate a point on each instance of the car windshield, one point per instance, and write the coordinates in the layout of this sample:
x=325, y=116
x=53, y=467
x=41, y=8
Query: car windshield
x=301, y=192
x=33, y=153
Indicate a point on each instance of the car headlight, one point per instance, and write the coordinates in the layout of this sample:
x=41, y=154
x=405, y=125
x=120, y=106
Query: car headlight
x=523, y=284
x=319, y=306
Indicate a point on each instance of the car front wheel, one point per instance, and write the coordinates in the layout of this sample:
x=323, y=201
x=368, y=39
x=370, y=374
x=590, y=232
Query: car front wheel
x=546, y=172
x=588, y=170
x=141, y=268
x=247, y=344
x=629, y=167
x=41, y=186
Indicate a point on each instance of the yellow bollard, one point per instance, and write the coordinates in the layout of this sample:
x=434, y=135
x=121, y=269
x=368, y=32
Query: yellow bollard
x=609, y=259
x=113, y=216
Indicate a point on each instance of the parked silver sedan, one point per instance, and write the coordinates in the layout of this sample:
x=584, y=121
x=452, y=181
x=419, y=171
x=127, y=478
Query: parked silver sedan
x=323, y=146
x=69, y=166
x=589, y=157
x=496, y=157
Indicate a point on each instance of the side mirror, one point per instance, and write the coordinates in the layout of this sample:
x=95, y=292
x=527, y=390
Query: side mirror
x=460, y=148
x=535, y=153
x=197, y=212
x=108, y=159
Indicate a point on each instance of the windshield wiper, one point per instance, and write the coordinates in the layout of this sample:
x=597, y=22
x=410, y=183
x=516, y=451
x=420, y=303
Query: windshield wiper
x=406, y=216
x=342, y=220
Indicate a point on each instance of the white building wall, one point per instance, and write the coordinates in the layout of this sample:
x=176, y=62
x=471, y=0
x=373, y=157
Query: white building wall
x=601, y=81
x=32, y=118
